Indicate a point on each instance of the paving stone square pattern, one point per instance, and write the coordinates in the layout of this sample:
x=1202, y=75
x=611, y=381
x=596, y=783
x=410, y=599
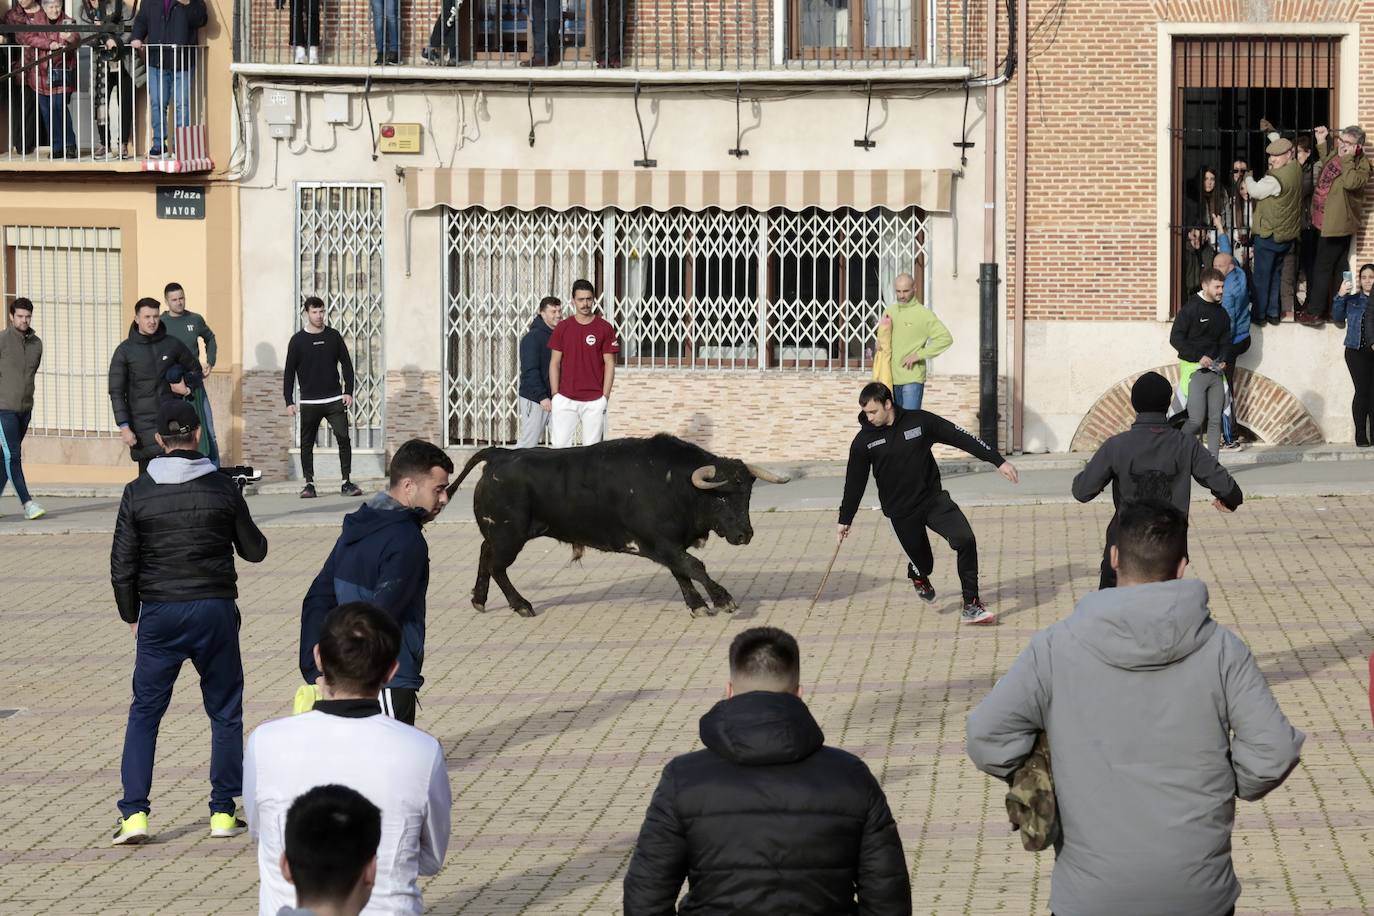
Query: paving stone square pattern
x=556, y=728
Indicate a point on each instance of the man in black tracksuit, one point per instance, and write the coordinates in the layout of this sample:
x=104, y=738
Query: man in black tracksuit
x=896, y=444
x=138, y=380
x=1202, y=336
x=172, y=568
x=1152, y=460
x=767, y=818
x=316, y=355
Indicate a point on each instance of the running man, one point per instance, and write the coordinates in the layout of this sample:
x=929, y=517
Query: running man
x=896, y=444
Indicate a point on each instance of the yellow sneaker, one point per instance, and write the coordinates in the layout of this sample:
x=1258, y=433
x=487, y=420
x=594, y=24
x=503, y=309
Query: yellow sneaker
x=133, y=830
x=307, y=695
x=226, y=825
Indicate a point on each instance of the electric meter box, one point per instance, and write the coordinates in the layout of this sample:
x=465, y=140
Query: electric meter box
x=279, y=111
x=398, y=137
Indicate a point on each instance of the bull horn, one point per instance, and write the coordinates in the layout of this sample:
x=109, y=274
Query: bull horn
x=766, y=475
x=701, y=478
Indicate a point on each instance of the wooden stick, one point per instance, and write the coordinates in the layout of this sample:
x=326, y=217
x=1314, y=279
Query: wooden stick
x=826, y=577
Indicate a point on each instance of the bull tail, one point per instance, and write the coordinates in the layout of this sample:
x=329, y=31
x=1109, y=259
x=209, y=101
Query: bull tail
x=486, y=454
x=577, y=551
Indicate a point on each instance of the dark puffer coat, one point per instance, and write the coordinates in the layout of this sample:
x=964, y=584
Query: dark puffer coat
x=767, y=820
x=138, y=383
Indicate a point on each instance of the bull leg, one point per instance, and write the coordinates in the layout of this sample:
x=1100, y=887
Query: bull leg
x=720, y=598
x=502, y=555
x=685, y=568
x=483, y=583
x=692, y=597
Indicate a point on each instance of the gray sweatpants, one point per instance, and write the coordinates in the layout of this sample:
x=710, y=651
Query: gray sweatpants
x=533, y=420
x=1206, y=399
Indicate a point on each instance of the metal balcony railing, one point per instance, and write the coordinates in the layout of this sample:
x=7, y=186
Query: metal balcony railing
x=662, y=35
x=78, y=106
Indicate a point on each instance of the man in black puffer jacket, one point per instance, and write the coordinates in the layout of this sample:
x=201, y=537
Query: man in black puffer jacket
x=767, y=819
x=172, y=568
x=138, y=379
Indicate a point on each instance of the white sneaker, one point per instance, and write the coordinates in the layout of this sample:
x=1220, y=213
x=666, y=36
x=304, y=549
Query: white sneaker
x=314, y=55
x=300, y=54
x=32, y=510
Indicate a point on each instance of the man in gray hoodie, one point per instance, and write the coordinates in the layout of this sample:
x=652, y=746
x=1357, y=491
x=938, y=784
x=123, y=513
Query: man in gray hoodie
x=1157, y=719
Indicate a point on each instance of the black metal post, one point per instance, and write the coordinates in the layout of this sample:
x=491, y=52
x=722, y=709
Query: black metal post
x=987, y=353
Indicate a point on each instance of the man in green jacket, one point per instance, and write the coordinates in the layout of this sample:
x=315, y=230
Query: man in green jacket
x=1337, y=201
x=21, y=353
x=190, y=328
x=917, y=335
x=1278, y=217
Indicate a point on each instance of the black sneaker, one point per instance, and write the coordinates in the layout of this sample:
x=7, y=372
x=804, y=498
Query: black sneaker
x=308, y=491
x=975, y=613
x=377, y=61
x=924, y=590
x=350, y=488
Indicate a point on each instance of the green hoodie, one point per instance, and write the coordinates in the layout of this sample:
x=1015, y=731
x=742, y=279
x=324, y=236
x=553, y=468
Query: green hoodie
x=915, y=329
x=188, y=326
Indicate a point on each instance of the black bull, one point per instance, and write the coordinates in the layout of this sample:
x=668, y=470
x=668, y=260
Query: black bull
x=650, y=497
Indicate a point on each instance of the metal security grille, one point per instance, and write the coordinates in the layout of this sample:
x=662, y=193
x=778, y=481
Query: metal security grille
x=687, y=290
x=74, y=277
x=1222, y=89
x=339, y=257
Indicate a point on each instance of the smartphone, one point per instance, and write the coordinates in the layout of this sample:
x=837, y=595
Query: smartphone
x=1348, y=277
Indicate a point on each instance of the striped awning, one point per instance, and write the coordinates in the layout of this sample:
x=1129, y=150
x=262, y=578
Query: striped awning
x=562, y=189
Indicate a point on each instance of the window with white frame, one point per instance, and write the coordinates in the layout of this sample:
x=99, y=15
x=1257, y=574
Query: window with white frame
x=74, y=277
x=687, y=290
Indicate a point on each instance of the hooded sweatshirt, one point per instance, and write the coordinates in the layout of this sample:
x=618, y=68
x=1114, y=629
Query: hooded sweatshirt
x=1157, y=719
x=381, y=558
x=767, y=819
x=534, y=361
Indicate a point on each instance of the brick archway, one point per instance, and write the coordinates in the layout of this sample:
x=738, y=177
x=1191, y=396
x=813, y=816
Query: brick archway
x=1262, y=405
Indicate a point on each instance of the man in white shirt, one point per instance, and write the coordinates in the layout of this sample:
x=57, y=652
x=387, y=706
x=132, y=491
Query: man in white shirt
x=345, y=740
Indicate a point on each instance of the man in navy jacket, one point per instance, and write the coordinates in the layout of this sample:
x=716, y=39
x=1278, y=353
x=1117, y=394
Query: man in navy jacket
x=536, y=398
x=381, y=558
x=169, y=29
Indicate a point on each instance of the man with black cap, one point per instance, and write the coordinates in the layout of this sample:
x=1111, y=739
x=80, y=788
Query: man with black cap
x=1152, y=460
x=172, y=568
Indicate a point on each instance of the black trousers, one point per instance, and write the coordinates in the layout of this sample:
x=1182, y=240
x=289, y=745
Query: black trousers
x=1361, y=366
x=1326, y=268
x=608, y=17
x=941, y=515
x=399, y=703
x=337, y=416
x=305, y=23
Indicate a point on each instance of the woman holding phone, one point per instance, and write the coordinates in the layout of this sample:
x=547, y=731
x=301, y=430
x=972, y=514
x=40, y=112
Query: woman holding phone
x=1352, y=306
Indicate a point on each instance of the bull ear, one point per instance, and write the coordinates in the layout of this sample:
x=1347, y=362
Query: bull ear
x=766, y=475
x=702, y=478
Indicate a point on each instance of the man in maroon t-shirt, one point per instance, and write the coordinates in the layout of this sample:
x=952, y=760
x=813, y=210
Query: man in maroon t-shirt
x=581, y=371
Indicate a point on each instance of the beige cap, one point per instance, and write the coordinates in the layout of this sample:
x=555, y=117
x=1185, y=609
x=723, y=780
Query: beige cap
x=1279, y=147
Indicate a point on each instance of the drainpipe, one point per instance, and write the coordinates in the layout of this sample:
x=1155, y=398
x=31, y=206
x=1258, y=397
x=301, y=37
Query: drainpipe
x=1018, y=341
x=987, y=271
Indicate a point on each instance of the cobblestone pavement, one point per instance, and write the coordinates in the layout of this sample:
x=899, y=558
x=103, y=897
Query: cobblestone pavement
x=556, y=728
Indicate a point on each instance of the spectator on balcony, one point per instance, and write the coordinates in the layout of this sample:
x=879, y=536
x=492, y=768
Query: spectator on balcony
x=1238, y=217
x=443, y=38
x=23, y=103
x=1278, y=197
x=1208, y=198
x=1308, y=235
x=168, y=29
x=1337, y=212
x=52, y=78
x=114, y=82
x=1197, y=257
x=386, y=31
x=608, y=20
x=1352, y=306
x=546, y=33
x=305, y=30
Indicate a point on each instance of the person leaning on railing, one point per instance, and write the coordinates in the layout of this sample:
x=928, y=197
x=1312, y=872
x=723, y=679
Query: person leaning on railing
x=52, y=78
x=1337, y=211
x=114, y=82
x=169, y=30
x=20, y=98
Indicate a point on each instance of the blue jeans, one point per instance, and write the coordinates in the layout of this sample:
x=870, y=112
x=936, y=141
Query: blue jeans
x=13, y=426
x=169, y=85
x=169, y=633
x=1269, y=256
x=910, y=395
x=386, y=25
x=55, y=123
x=546, y=31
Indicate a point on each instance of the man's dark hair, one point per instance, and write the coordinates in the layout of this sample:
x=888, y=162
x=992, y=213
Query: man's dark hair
x=875, y=391
x=1152, y=536
x=548, y=301
x=765, y=654
x=1303, y=141
x=19, y=302
x=1210, y=275
x=358, y=643
x=147, y=303
x=332, y=833
x=312, y=302
x=579, y=285
x=415, y=458
x=170, y=288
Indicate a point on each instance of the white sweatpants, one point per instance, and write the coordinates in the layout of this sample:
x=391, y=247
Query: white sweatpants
x=568, y=415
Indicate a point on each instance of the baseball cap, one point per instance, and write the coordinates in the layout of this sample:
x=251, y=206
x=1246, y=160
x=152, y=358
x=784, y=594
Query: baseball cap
x=1279, y=146
x=176, y=418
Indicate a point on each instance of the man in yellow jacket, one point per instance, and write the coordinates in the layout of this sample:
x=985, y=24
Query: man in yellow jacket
x=917, y=336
